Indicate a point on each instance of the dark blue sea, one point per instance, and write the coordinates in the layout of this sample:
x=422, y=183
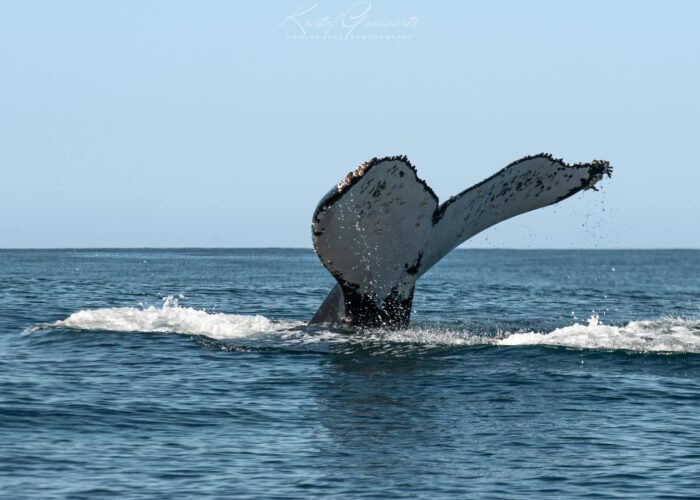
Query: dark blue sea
x=192, y=373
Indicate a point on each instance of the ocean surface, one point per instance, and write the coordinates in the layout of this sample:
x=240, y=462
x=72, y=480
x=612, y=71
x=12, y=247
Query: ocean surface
x=183, y=373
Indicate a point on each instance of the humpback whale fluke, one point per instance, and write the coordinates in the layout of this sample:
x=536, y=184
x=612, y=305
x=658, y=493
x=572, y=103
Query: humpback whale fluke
x=382, y=227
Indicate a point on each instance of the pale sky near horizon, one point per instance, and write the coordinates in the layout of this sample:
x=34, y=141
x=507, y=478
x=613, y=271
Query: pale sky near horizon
x=217, y=124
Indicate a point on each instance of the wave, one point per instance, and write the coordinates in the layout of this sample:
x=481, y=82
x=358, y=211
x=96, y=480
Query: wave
x=661, y=335
x=170, y=318
x=667, y=334
x=671, y=335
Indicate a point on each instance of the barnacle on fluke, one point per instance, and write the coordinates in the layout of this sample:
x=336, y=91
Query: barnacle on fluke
x=376, y=245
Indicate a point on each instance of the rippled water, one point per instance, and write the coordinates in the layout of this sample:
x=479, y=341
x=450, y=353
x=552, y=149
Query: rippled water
x=161, y=373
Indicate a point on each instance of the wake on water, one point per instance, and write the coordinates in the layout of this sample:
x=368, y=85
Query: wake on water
x=664, y=335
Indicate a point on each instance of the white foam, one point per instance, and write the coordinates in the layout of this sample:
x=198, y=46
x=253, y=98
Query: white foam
x=170, y=318
x=662, y=335
x=668, y=335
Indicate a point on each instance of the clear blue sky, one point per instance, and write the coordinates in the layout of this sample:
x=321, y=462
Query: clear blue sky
x=164, y=123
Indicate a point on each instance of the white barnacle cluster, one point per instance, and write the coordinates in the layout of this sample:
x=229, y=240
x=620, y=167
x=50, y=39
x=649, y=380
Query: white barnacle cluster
x=359, y=172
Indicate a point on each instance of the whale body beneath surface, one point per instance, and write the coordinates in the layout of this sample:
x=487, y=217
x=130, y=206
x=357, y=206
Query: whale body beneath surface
x=382, y=227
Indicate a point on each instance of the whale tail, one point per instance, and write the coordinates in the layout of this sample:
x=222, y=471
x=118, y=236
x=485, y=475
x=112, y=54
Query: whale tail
x=382, y=227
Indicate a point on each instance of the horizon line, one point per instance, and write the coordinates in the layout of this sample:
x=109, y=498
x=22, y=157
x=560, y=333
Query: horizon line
x=311, y=248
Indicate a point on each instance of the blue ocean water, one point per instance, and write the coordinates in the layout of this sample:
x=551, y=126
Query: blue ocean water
x=179, y=373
